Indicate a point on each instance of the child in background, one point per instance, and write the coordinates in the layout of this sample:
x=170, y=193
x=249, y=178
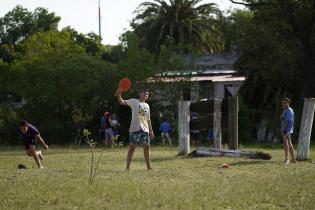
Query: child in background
x=210, y=137
x=165, y=128
x=115, y=125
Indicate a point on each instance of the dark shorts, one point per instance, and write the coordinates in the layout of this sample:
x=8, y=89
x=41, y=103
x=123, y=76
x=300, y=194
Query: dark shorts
x=29, y=142
x=139, y=137
x=165, y=136
x=107, y=134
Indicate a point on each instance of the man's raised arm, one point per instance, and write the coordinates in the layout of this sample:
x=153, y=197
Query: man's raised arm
x=121, y=101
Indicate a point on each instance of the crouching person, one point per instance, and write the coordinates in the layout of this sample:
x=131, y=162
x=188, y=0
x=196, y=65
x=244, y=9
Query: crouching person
x=31, y=136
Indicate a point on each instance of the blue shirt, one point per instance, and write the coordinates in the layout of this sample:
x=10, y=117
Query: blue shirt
x=287, y=117
x=103, y=121
x=210, y=135
x=165, y=127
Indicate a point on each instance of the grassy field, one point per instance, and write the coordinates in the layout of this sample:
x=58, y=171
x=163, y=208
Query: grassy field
x=176, y=183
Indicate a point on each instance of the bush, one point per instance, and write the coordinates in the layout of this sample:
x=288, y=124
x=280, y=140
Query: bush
x=8, y=125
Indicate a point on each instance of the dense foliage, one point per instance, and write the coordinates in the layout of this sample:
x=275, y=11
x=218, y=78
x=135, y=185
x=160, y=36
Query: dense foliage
x=178, y=22
x=68, y=78
x=64, y=76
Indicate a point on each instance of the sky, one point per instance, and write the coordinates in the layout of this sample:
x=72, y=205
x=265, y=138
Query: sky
x=82, y=15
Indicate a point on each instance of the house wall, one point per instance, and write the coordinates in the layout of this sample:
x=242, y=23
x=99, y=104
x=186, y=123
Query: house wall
x=219, y=90
x=197, y=91
x=194, y=92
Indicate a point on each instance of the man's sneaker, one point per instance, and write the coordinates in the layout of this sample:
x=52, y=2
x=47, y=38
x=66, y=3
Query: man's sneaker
x=286, y=162
x=41, y=167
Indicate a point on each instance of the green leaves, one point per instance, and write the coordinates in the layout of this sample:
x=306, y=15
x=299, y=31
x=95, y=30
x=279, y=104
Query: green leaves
x=277, y=44
x=181, y=22
x=19, y=24
x=86, y=133
x=62, y=84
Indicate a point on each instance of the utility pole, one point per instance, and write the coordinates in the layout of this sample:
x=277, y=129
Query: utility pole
x=99, y=19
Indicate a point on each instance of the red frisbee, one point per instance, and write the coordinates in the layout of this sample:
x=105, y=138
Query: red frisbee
x=225, y=165
x=125, y=84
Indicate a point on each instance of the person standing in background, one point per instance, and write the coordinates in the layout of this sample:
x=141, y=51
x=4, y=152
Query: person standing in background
x=115, y=125
x=165, y=129
x=106, y=130
x=194, y=133
x=287, y=124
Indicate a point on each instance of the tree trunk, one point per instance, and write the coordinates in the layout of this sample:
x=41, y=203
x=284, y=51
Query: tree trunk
x=204, y=152
x=183, y=127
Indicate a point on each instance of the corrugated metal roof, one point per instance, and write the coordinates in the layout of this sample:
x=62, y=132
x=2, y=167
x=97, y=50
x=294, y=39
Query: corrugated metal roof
x=214, y=60
x=218, y=78
x=197, y=72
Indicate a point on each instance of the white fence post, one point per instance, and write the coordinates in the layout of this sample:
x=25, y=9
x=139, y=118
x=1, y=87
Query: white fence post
x=217, y=136
x=183, y=127
x=306, y=129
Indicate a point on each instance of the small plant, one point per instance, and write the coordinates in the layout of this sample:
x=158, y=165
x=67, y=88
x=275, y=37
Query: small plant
x=92, y=144
x=117, y=143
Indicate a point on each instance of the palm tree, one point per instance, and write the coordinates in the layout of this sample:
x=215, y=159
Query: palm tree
x=178, y=22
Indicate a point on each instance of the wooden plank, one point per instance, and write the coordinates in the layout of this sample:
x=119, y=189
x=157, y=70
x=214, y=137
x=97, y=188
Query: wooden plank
x=233, y=123
x=202, y=106
x=205, y=123
x=225, y=106
x=204, y=152
x=208, y=106
x=225, y=121
x=217, y=134
x=202, y=123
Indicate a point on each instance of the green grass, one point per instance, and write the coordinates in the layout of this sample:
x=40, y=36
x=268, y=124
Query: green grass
x=176, y=183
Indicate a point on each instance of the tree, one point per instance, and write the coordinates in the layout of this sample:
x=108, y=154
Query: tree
x=91, y=42
x=280, y=50
x=19, y=24
x=178, y=22
x=276, y=42
x=136, y=63
x=62, y=83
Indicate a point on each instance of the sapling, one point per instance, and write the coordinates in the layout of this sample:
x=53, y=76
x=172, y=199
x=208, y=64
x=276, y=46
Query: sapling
x=92, y=144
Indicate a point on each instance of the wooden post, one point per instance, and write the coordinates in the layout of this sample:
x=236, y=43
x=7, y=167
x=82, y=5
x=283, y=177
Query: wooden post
x=217, y=115
x=233, y=122
x=306, y=129
x=183, y=127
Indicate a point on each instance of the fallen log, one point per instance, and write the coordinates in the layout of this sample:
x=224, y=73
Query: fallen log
x=205, y=152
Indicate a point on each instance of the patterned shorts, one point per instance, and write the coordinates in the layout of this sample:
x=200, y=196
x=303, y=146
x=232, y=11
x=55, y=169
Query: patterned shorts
x=139, y=137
